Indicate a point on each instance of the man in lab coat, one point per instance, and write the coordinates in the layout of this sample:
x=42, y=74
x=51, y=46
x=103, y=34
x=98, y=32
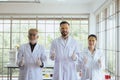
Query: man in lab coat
x=31, y=58
x=64, y=51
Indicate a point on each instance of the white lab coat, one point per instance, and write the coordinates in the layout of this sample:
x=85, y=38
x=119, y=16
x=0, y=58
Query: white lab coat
x=64, y=67
x=92, y=70
x=30, y=70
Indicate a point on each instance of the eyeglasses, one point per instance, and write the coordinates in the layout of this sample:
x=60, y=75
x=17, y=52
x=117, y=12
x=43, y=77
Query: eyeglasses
x=30, y=34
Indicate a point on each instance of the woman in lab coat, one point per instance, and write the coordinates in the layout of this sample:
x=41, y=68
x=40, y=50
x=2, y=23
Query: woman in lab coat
x=31, y=58
x=64, y=51
x=93, y=60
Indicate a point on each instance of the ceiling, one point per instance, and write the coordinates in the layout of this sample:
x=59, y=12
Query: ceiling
x=19, y=1
x=72, y=5
x=67, y=1
x=53, y=1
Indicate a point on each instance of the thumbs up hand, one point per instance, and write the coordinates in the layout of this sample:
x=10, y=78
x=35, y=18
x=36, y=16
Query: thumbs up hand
x=80, y=73
x=74, y=56
x=22, y=61
x=53, y=55
x=85, y=59
x=39, y=63
x=99, y=61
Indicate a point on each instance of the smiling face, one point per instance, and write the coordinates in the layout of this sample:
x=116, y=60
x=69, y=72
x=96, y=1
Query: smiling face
x=64, y=29
x=92, y=42
x=33, y=36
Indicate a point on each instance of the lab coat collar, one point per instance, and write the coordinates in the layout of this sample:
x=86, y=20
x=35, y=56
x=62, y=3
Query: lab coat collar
x=28, y=46
x=35, y=48
x=67, y=43
x=32, y=46
x=32, y=54
x=90, y=52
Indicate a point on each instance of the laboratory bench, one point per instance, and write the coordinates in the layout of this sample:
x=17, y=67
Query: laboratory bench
x=47, y=72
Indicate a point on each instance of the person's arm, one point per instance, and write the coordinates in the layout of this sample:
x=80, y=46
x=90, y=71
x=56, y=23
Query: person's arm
x=76, y=52
x=20, y=57
x=100, y=63
x=43, y=57
x=52, y=51
x=81, y=61
x=79, y=58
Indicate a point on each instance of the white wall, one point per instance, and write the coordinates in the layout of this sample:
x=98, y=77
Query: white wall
x=92, y=24
x=36, y=8
x=96, y=6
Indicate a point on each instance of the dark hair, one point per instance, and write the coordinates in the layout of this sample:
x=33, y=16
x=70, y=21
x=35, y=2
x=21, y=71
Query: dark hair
x=64, y=22
x=92, y=35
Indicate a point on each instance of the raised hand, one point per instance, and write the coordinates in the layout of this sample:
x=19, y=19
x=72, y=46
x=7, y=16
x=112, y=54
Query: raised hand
x=99, y=61
x=74, y=56
x=85, y=59
x=53, y=55
x=22, y=61
x=39, y=63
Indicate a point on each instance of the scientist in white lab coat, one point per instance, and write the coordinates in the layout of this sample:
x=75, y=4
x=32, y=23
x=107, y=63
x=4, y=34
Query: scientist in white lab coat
x=31, y=58
x=93, y=60
x=64, y=51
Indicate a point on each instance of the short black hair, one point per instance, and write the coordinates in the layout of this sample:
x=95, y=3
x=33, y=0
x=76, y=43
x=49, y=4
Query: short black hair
x=64, y=22
x=92, y=35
